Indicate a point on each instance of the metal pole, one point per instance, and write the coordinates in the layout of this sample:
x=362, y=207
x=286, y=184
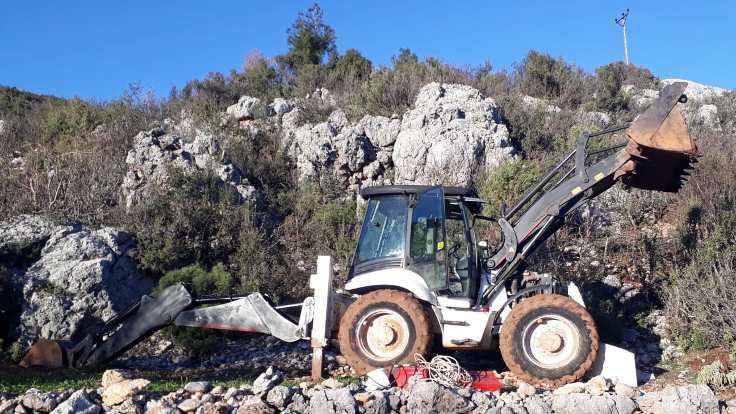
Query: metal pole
x=621, y=21
x=626, y=45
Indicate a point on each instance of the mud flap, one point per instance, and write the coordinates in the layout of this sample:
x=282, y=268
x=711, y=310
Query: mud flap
x=250, y=314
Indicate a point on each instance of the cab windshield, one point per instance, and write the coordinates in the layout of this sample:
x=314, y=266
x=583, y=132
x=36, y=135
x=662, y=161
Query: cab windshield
x=384, y=228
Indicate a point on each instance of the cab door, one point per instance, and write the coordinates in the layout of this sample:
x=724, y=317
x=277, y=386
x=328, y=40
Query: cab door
x=427, y=241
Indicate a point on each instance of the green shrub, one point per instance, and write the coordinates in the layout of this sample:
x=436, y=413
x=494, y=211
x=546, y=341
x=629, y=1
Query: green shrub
x=349, y=72
x=315, y=226
x=393, y=91
x=206, y=99
x=507, y=183
x=217, y=280
x=612, y=77
x=542, y=135
x=542, y=76
x=197, y=341
x=259, y=78
x=255, y=260
x=195, y=218
x=699, y=298
x=716, y=375
x=489, y=83
x=309, y=40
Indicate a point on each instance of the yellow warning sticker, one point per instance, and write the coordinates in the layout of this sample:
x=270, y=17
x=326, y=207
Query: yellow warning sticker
x=599, y=176
x=576, y=190
x=440, y=245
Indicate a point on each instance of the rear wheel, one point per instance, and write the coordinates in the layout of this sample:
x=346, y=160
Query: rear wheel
x=383, y=328
x=549, y=339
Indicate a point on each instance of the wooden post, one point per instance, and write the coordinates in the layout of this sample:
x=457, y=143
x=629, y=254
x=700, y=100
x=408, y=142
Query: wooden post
x=321, y=283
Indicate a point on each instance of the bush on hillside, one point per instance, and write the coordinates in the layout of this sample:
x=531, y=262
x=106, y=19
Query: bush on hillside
x=315, y=226
x=393, y=91
x=71, y=153
x=542, y=76
x=541, y=134
x=700, y=299
x=195, y=219
x=203, y=282
x=309, y=40
x=612, y=77
x=490, y=83
x=507, y=183
x=259, y=78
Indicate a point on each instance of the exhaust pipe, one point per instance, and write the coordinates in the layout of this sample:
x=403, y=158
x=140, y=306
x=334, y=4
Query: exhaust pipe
x=661, y=148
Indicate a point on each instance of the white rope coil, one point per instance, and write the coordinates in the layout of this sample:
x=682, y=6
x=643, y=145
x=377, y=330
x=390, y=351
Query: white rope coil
x=445, y=370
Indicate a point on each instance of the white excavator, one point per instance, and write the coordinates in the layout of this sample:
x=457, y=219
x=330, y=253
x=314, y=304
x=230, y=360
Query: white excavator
x=422, y=275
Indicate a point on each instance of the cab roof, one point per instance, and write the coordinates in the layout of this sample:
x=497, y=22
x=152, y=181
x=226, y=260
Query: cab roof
x=467, y=194
x=368, y=192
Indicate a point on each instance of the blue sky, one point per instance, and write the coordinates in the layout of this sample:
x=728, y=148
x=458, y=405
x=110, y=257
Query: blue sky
x=94, y=49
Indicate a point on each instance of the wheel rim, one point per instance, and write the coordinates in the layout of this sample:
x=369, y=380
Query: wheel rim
x=382, y=334
x=551, y=341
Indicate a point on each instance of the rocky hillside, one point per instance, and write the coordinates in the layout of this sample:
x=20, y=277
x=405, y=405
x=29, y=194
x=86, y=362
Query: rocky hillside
x=235, y=183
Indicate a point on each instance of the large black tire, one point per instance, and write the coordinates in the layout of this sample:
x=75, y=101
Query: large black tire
x=559, y=353
x=410, y=330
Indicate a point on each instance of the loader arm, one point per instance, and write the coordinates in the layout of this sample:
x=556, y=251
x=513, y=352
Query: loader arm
x=657, y=156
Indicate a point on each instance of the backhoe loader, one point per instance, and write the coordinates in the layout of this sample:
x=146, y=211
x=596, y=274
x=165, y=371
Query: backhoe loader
x=421, y=275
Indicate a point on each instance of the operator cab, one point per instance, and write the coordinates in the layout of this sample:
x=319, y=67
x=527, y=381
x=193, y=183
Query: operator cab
x=428, y=230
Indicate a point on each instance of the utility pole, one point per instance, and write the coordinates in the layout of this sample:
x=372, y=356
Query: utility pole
x=621, y=21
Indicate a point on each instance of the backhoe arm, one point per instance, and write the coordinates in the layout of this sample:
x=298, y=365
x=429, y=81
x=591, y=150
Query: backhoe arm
x=174, y=305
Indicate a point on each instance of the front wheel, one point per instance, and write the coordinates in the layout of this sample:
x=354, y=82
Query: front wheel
x=383, y=328
x=549, y=339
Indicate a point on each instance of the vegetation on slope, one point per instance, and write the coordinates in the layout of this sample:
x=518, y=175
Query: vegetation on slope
x=74, y=153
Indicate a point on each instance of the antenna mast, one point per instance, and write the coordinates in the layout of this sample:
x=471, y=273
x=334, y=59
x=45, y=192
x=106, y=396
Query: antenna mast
x=621, y=21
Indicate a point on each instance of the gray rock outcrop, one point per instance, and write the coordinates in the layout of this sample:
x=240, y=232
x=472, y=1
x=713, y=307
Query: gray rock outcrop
x=23, y=234
x=158, y=150
x=430, y=397
x=586, y=403
x=80, y=278
x=78, y=403
x=697, y=91
x=452, y=133
x=245, y=109
x=693, y=399
x=338, y=151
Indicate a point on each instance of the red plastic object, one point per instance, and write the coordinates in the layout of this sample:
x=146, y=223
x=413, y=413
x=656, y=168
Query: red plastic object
x=485, y=381
x=403, y=373
x=482, y=380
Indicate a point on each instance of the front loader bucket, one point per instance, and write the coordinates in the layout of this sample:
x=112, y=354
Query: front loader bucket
x=660, y=146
